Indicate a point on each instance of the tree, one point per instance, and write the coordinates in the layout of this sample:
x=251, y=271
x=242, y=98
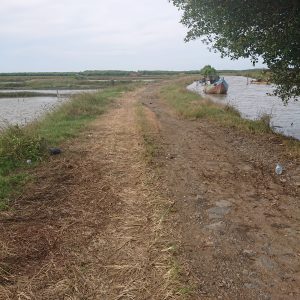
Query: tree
x=251, y=29
x=208, y=70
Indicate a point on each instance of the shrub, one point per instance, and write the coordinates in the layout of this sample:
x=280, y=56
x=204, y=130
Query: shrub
x=17, y=145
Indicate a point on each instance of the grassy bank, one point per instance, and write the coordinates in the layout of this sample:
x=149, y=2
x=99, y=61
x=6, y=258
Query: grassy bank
x=191, y=105
x=79, y=80
x=58, y=82
x=194, y=106
x=23, y=148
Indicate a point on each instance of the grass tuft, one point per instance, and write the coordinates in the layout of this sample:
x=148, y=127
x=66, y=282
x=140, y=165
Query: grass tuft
x=232, y=110
x=9, y=184
x=266, y=120
x=18, y=145
x=148, y=134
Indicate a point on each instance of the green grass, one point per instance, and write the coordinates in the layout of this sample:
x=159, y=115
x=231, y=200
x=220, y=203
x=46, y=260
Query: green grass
x=9, y=184
x=60, y=82
x=191, y=105
x=151, y=147
x=71, y=118
x=19, y=144
x=186, y=291
x=177, y=274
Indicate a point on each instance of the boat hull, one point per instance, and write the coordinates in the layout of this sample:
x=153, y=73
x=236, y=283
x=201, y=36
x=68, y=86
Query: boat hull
x=220, y=87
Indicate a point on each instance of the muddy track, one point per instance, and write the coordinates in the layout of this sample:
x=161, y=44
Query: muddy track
x=239, y=221
x=98, y=221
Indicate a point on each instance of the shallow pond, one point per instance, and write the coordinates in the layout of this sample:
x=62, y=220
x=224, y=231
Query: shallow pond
x=252, y=101
x=54, y=92
x=27, y=109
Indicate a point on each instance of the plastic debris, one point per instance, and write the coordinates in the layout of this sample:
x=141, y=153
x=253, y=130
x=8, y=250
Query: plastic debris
x=278, y=169
x=28, y=161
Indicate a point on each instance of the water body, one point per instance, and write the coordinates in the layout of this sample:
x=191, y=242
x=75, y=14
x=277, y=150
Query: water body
x=21, y=111
x=252, y=101
x=24, y=110
x=54, y=92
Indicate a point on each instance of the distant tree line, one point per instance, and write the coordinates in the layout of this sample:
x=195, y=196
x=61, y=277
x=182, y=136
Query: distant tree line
x=101, y=73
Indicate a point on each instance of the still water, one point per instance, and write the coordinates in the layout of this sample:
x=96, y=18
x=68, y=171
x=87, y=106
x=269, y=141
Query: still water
x=24, y=110
x=252, y=101
x=54, y=92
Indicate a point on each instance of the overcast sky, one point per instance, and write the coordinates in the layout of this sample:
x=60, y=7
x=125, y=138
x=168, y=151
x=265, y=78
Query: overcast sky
x=77, y=35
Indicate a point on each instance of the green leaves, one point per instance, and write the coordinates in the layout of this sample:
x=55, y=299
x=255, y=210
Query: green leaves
x=208, y=70
x=251, y=29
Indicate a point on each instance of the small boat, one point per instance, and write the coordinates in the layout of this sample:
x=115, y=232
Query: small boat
x=218, y=87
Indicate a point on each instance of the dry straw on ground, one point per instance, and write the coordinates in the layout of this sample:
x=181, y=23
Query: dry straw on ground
x=92, y=224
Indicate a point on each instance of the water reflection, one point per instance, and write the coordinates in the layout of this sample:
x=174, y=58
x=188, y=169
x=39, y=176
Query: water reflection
x=252, y=101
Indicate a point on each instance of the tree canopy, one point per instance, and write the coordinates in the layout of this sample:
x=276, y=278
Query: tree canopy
x=251, y=29
x=208, y=70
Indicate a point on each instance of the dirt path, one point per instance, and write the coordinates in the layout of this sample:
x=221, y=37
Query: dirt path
x=101, y=223
x=92, y=226
x=239, y=221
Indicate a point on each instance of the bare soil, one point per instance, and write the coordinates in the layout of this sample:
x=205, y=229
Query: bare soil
x=99, y=222
x=238, y=220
